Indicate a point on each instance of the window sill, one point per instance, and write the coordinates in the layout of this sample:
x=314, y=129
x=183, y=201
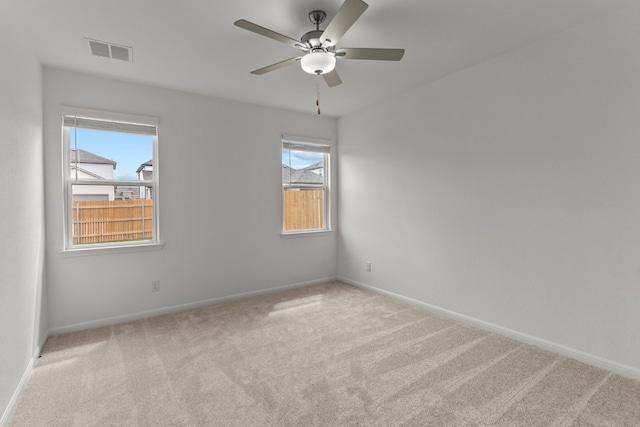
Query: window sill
x=295, y=234
x=105, y=250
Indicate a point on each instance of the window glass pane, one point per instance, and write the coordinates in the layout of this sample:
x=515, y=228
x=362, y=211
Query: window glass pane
x=108, y=213
x=97, y=154
x=304, y=209
x=302, y=167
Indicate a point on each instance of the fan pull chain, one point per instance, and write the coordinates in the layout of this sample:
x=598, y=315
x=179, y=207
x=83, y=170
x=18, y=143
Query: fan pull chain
x=318, y=98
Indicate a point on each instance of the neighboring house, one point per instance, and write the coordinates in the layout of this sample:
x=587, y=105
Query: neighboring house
x=86, y=165
x=309, y=175
x=145, y=173
x=317, y=168
x=126, y=192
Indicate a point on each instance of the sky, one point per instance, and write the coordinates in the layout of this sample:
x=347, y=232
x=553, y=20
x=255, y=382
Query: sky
x=300, y=159
x=129, y=151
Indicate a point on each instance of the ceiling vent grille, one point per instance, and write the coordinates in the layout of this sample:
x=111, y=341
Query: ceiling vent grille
x=111, y=50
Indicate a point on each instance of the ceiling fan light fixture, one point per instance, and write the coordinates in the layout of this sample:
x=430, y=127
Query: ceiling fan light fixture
x=318, y=62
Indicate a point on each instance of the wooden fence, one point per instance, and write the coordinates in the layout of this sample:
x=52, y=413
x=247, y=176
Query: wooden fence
x=303, y=209
x=99, y=221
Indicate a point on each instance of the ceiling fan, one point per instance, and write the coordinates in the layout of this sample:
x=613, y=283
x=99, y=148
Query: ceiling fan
x=320, y=45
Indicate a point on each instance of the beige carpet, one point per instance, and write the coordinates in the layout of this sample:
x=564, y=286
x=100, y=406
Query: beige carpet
x=331, y=355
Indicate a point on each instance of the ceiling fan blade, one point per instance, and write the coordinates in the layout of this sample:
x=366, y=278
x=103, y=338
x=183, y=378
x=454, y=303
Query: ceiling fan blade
x=242, y=23
x=276, y=66
x=370, y=53
x=348, y=13
x=332, y=78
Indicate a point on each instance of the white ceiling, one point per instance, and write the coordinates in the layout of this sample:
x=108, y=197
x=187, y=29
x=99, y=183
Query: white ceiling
x=192, y=45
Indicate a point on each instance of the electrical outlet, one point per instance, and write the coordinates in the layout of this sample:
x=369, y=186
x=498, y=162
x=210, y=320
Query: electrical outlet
x=368, y=266
x=155, y=286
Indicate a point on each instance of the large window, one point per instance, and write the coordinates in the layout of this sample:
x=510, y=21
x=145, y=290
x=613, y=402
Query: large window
x=305, y=186
x=110, y=179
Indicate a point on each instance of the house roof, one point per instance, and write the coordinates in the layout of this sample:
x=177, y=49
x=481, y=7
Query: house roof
x=91, y=174
x=300, y=176
x=148, y=163
x=317, y=165
x=82, y=156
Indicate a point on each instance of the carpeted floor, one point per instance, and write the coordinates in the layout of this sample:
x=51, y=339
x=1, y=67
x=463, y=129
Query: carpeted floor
x=330, y=355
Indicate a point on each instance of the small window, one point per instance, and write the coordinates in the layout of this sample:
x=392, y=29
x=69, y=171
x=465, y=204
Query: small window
x=305, y=186
x=111, y=180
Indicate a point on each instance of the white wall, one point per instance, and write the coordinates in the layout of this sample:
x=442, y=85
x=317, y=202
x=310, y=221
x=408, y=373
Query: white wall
x=21, y=213
x=220, y=204
x=509, y=192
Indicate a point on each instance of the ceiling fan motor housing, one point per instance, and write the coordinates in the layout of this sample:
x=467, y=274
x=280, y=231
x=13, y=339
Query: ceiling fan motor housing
x=312, y=39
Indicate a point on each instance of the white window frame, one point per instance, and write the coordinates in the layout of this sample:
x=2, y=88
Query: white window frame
x=324, y=146
x=126, y=120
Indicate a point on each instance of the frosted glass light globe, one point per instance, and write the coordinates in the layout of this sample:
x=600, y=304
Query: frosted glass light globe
x=318, y=62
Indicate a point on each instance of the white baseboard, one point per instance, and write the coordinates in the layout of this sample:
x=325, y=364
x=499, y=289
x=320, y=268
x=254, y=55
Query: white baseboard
x=13, y=402
x=600, y=362
x=4, y=421
x=180, y=307
x=6, y=416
